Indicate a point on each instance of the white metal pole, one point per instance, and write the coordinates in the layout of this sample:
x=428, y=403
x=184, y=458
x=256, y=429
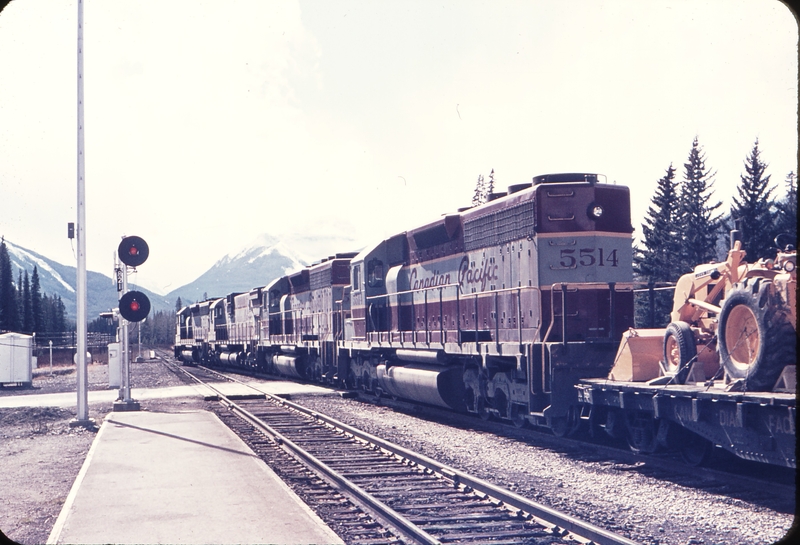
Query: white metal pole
x=51, y=357
x=81, y=325
x=125, y=391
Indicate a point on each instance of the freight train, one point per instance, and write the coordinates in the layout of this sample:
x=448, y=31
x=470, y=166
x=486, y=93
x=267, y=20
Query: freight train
x=500, y=310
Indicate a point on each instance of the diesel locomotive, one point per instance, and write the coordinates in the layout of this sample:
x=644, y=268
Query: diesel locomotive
x=522, y=309
x=498, y=309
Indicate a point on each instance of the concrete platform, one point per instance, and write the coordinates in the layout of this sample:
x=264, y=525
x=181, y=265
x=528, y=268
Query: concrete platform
x=69, y=399
x=180, y=478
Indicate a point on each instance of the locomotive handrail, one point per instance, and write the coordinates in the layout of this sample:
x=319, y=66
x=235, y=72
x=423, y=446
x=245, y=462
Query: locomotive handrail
x=459, y=295
x=612, y=288
x=418, y=290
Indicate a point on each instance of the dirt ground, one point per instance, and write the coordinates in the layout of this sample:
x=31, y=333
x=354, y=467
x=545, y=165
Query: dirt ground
x=42, y=453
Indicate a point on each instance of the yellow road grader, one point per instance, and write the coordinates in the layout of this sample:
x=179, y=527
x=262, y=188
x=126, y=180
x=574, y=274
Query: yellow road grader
x=733, y=320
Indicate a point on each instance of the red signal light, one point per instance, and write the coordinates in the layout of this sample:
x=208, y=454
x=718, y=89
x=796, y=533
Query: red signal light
x=134, y=306
x=133, y=251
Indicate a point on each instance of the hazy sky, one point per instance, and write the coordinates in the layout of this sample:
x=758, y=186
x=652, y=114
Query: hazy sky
x=209, y=123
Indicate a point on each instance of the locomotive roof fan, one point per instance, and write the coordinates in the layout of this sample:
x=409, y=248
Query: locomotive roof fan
x=571, y=177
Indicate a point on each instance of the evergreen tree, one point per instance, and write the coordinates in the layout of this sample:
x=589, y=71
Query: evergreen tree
x=489, y=186
x=9, y=315
x=700, y=224
x=37, y=313
x=59, y=314
x=754, y=208
x=178, y=305
x=657, y=261
x=19, y=297
x=786, y=222
x=27, y=315
x=479, y=196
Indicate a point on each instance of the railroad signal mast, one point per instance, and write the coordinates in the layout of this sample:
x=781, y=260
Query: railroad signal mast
x=134, y=306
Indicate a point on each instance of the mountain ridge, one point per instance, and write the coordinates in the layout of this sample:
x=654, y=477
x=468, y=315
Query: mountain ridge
x=267, y=257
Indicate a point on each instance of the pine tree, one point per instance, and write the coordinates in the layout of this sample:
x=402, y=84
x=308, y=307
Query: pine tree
x=478, y=197
x=755, y=208
x=27, y=315
x=9, y=314
x=59, y=314
x=37, y=312
x=47, y=314
x=657, y=261
x=786, y=222
x=700, y=225
x=489, y=187
x=178, y=305
x=20, y=299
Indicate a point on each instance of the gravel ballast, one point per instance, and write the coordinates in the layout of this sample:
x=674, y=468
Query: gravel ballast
x=615, y=496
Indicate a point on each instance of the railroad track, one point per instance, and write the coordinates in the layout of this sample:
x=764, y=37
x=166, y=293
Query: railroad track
x=373, y=491
x=748, y=480
x=769, y=486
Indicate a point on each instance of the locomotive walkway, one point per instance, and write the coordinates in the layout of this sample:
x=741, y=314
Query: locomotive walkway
x=180, y=478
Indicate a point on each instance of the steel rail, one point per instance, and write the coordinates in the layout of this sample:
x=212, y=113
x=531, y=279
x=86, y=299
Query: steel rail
x=545, y=514
x=404, y=525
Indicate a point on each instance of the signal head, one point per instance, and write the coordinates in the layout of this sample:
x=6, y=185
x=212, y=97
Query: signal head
x=133, y=251
x=134, y=306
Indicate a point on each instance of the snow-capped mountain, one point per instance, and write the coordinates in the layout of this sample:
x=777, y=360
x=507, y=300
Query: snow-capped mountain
x=257, y=264
x=58, y=279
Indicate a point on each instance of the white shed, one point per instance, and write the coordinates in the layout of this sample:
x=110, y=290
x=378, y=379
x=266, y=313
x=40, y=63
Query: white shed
x=16, y=358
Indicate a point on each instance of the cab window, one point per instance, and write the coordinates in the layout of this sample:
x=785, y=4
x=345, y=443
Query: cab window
x=375, y=273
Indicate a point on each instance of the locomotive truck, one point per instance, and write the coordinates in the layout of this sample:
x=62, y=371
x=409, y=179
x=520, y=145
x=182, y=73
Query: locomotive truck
x=503, y=310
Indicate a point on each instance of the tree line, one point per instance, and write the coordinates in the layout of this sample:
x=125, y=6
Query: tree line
x=23, y=306
x=685, y=226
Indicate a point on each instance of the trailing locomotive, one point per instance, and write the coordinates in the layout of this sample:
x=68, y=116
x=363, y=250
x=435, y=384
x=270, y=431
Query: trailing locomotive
x=513, y=309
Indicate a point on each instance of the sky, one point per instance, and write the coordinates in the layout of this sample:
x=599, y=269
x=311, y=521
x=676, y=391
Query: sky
x=208, y=124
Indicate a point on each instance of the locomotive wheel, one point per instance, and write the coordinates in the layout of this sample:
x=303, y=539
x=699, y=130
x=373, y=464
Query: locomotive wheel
x=518, y=416
x=756, y=338
x=483, y=410
x=679, y=346
x=642, y=432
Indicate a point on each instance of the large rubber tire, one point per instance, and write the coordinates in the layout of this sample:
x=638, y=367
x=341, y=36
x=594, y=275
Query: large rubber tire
x=679, y=346
x=756, y=338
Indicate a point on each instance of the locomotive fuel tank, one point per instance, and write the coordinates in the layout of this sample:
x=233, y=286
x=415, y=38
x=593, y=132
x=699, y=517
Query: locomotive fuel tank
x=190, y=356
x=290, y=365
x=441, y=386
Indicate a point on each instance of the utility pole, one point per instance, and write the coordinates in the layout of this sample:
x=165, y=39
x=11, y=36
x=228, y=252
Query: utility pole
x=82, y=417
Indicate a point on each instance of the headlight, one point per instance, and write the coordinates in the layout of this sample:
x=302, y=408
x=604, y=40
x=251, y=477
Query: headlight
x=595, y=211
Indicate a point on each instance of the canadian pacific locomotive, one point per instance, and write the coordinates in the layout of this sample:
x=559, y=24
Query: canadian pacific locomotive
x=500, y=309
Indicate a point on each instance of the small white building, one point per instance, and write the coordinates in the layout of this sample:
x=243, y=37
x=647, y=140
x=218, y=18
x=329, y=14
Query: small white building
x=16, y=358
